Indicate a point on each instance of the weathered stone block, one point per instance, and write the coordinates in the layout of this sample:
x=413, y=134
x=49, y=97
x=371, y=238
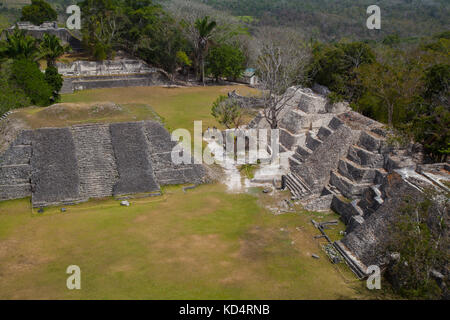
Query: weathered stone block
x=365, y=158
x=323, y=133
x=344, y=208
x=312, y=103
x=19, y=191
x=15, y=172
x=370, y=142
x=347, y=187
x=335, y=123
x=312, y=143
x=16, y=155
x=355, y=172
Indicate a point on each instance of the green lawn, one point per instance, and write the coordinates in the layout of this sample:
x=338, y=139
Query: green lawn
x=179, y=107
x=205, y=244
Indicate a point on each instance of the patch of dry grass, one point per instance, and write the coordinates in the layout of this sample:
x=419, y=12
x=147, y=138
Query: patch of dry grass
x=204, y=244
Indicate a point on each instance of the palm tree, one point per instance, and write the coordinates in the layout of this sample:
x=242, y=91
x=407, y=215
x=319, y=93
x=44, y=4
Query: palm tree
x=51, y=49
x=20, y=46
x=205, y=29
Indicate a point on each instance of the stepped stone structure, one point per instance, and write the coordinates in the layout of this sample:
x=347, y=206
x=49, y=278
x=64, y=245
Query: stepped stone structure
x=83, y=75
x=52, y=28
x=342, y=160
x=71, y=165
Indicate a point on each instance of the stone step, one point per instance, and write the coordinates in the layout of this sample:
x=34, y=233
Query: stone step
x=348, y=188
x=324, y=132
x=296, y=193
x=303, y=151
x=358, y=268
x=335, y=123
x=371, y=141
x=293, y=161
x=312, y=143
x=301, y=182
x=15, y=172
x=299, y=157
x=355, y=172
x=346, y=208
x=365, y=158
x=371, y=200
x=354, y=223
x=96, y=163
x=297, y=186
x=16, y=154
x=15, y=191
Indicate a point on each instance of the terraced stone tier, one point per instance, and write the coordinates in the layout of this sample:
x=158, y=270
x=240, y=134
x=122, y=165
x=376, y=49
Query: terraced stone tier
x=355, y=172
x=316, y=169
x=132, y=158
x=16, y=154
x=365, y=158
x=15, y=171
x=54, y=168
x=15, y=191
x=323, y=133
x=312, y=143
x=348, y=188
x=371, y=141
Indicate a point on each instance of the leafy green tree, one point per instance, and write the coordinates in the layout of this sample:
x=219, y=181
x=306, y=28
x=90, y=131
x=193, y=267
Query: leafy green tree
x=102, y=25
x=227, y=112
x=437, y=83
x=18, y=45
x=51, y=49
x=431, y=125
x=31, y=80
x=205, y=30
x=418, y=235
x=334, y=66
x=55, y=80
x=11, y=95
x=38, y=12
x=225, y=61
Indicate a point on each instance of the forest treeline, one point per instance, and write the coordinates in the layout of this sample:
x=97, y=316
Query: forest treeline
x=333, y=20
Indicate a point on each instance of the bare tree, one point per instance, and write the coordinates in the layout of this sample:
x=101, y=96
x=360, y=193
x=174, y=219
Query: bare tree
x=281, y=65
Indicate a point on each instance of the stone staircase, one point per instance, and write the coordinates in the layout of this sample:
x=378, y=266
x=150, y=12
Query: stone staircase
x=96, y=164
x=313, y=141
x=358, y=179
x=297, y=186
x=294, y=182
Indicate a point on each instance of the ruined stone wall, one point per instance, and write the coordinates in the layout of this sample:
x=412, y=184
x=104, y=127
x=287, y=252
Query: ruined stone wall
x=71, y=165
x=84, y=75
x=15, y=168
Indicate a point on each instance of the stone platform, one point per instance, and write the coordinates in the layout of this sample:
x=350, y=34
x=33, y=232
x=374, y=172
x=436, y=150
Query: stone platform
x=71, y=165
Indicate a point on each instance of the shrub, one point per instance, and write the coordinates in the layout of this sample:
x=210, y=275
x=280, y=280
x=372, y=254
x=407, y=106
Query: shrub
x=38, y=12
x=55, y=80
x=31, y=80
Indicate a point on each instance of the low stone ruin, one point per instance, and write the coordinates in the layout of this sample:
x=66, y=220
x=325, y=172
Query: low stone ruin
x=71, y=165
x=52, y=28
x=83, y=75
x=341, y=160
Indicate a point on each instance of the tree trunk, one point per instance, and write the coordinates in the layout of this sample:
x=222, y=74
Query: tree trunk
x=390, y=114
x=203, y=71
